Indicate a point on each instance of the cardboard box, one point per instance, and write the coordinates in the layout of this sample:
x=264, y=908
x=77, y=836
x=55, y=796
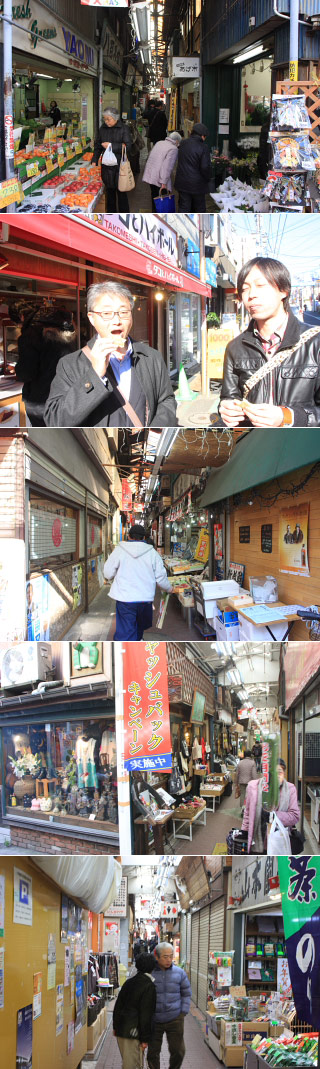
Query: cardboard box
x=231, y=1033
x=232, y=1056
x=240, y=600
x=227, y=632
x=215, y=1045
x=250, y=1029
x=93, y=1033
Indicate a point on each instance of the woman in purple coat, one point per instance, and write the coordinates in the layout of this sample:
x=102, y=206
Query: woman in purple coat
x=255, y=819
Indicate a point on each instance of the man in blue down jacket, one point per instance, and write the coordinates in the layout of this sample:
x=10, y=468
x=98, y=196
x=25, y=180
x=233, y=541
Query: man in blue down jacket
x=173, y=1003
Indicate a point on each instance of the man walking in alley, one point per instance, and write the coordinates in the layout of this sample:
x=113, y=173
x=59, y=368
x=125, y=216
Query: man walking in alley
x=173, y=1003
x=113, y=381
x=246, y=771
x=193, y=170
x=136, y=568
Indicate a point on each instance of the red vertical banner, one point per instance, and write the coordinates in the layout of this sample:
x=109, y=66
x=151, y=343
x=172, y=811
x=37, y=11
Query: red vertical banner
x=147, y=740
x=126, y=496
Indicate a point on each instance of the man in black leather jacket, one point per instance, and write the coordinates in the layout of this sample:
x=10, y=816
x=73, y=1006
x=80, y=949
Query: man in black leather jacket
x=289, y=395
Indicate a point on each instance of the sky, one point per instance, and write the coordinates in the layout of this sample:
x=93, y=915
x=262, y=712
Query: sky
x=292, y=238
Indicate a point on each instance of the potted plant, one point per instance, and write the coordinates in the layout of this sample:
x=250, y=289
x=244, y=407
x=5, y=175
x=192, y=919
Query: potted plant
x=26, y=768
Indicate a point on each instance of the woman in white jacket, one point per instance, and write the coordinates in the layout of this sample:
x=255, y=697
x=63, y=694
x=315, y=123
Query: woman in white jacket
x=160, y=164
x=136, y=568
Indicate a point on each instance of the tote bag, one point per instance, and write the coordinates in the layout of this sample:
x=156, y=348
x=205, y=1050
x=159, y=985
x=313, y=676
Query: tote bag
x=126, y=180
x=165, y=204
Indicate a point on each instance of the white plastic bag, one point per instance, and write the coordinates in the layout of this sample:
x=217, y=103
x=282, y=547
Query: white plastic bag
x=278, y=839
x=109, y=159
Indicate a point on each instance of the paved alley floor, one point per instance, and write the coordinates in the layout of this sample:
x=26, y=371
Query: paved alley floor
x=197, y=1050
x=99, y=623
x=140, y=196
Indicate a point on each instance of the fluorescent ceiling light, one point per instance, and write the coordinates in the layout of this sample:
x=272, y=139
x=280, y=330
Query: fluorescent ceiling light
x=250, y=54
x=50, y=76
x=141, y=20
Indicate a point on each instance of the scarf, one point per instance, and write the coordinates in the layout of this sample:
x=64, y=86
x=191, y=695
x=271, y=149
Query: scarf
x=276, y=360
x=284, y=801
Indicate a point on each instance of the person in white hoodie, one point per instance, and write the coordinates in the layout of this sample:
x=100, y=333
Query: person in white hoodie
x=136, y=568
x=160, y=164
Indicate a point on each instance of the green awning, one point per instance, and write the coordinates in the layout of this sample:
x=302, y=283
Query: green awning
x=261, y=456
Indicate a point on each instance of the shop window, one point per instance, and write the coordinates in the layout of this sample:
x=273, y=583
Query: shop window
x=94, y=535
x=53, y=531
x=255, y=95
x=64, y=772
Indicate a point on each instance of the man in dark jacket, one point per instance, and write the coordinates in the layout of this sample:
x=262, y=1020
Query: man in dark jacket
x=158, y=123
x=94, y=388
x=193, y=170
x=134, y=1011
x=45, y=337
x=115, y=133
x=284, y=393
x=173, y=1003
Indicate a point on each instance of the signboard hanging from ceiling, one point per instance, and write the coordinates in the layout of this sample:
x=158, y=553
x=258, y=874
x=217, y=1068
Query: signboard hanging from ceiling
x=104, y=3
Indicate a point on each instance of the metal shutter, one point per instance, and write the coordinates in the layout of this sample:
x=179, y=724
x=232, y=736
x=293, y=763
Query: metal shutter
x=194, y=955
x=183, y=938
x=203, y=958
x=216, y=927
x=188, y=954
x=51, y=535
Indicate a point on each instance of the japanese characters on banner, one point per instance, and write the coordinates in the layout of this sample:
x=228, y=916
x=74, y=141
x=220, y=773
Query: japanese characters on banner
x=202, y=550
x=118, y=907
x=293, y=539
x=300, y=887
x=146, y=232
x=105, y=3
x=218, y=541
x=147, y=741
x=126, y=496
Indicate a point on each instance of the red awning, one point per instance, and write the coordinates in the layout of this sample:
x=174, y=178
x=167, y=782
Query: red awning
x=78, y=237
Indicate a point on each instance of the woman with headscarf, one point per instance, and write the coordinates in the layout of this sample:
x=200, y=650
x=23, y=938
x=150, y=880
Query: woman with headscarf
x=116, y=133
x=160, y=164
x=256, y=817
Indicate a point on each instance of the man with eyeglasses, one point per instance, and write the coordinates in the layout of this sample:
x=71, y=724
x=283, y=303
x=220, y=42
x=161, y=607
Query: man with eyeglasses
x=113, y=381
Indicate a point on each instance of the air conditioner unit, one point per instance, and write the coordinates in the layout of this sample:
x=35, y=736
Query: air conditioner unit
x=25, y=664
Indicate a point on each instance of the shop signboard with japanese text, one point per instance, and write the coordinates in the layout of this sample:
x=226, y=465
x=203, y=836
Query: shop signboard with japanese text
x=147, y=742
x=147, y=232
x=126, y=503
x=203, y=547
x=218, y=339
x=300, y=887
x=118, y=908
x=293, y=539
x=42, y=33
x=105, y=3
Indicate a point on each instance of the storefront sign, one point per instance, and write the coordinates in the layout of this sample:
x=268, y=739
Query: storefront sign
x=250, y=883
x=43, y=28
x=293, y=539
x=113, y=51
x=299, y=885
x=118, y=908
x=185, y=67
x=203, y=547
x=146, y=232
x=147, y=742
x=22, y=898
x=218, y=541
x=126, y=503
x=301, y=663
x=105, y=3
x=198, y=707
x=211, y=272
x=77, y=47
x=217, y=343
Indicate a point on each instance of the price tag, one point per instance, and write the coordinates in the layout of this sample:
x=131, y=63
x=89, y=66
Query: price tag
x=83, y=141
x=10, y=192
x=60, y=159
x=69, y=154
x=32, y=169
x=49, y=166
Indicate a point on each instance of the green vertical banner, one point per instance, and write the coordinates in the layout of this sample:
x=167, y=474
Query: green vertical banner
x=300, y=887
x=269, y=762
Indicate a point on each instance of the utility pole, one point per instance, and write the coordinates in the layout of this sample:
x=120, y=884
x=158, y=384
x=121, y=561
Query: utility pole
x=7, y=91
x=294, y=40
x=203, y=278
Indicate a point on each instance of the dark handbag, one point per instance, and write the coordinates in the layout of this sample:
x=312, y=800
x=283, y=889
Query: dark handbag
x=296, y=841
x=175, y=782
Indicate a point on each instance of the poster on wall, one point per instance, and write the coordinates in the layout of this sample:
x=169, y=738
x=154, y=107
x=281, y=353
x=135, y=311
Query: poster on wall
x=218, y=543
x=22, y=898
x=24, y=1038
x=283, y=978
x=1, y=978
x=2, y=901
x=70, y=1037
x=52, y=959
x=111, y=939
x=118, y=907
x=66, y=966
x=293, y=539
x=147, y=739
x=38, y=608
x=59, y=1009
x=80, y=989
x=299, y=886
x=198, y=707
x=202, y=550
x=37, y=995
x=76, y=580
x=64, y=919
x=100, y=564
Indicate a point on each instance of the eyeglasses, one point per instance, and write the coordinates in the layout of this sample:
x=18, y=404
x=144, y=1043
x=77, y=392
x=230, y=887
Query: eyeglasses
x=122, y=313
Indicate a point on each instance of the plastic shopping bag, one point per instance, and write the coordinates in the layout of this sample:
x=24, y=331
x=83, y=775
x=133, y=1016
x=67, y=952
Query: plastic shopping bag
x=109, y=159
x=278, y=839
x=165, y=204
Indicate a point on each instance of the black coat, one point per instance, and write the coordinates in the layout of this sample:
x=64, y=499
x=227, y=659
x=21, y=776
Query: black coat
x=39, y=355
x=194, y=167
x=296, y=383
x=158, y=126
x=79, y=398
x=135, y=1008
x=55, y=115
x=117, y=136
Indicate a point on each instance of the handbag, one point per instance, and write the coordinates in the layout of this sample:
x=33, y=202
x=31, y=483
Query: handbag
x=276, y=360
x=175, y=782
x=296, y=841
x=126, y=180
x=109, y=159
x=130, y=411
x=166, y=203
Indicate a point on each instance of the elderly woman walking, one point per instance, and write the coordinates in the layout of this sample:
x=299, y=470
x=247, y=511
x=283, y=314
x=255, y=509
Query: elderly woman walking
x=116, y=134
x=160, y=164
